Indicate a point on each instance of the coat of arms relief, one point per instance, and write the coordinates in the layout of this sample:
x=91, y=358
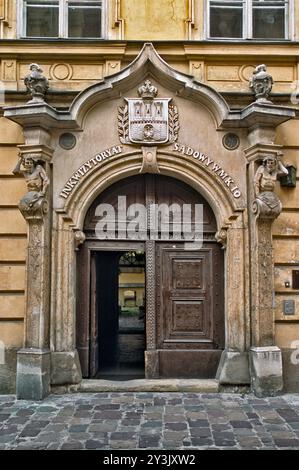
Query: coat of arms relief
x=148, y=120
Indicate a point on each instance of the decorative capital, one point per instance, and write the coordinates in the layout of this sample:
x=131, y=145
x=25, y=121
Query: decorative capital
x=33, y=206
x=37, y=84
x=267, y=206
x=261, y=84
x=147, y=90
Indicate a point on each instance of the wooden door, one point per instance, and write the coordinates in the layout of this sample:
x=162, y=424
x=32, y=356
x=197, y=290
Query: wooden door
x=190, y=334
x=185, y=325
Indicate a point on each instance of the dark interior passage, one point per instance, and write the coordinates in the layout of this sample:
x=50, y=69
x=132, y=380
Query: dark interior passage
x=120, y=309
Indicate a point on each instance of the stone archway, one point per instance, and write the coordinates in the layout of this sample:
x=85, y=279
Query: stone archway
x=231, y=232
x=185, y=333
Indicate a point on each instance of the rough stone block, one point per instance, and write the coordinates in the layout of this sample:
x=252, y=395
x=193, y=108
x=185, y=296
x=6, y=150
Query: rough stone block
x=266, y=370
x=233, y=368
x=65, y=368
x=33, y=374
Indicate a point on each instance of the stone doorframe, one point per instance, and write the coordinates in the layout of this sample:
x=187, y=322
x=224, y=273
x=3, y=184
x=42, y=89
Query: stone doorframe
x=49, y=355
x=230, y=222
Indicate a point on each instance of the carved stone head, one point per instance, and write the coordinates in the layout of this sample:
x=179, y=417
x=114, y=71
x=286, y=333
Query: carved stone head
x=270, y=163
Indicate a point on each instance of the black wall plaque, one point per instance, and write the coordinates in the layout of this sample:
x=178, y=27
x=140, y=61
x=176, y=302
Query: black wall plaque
x=289, y=307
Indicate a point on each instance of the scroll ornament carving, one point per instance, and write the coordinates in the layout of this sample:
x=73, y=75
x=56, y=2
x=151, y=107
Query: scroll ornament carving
x=221, y=237
x=267, y=204
x=37, y=84
x=261, y=84
x=34, y=203
x=80, y=238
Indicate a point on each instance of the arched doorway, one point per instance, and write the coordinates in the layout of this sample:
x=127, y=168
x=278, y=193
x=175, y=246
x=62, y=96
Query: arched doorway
x=145, y=294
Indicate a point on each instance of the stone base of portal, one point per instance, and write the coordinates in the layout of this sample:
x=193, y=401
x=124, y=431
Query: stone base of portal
x=266, y=371
x=33, y=374
x=233, y=368
x=65, y=368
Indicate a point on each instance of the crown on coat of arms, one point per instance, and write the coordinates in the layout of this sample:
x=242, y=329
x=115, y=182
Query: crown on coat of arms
x=147, y=90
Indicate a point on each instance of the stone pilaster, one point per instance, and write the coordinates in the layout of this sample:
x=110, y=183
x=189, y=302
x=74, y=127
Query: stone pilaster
x=33, y=362
x=265, y=357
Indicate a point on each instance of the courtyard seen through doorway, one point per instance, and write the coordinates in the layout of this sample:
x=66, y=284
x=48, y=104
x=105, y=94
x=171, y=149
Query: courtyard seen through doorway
x=123, y=357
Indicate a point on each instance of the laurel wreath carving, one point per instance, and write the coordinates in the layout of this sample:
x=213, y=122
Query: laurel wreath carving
x=123, y=124
x=174, y=125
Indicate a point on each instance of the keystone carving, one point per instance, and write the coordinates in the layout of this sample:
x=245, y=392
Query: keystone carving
x=34, y=203
x=261, y=84
x=37, y=84
x=267, y=204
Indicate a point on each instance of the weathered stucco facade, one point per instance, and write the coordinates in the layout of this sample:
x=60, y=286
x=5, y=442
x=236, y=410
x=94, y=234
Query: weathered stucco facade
x=208, y=82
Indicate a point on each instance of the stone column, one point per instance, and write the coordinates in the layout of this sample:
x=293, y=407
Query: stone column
x=264, y=207
x=33, y=361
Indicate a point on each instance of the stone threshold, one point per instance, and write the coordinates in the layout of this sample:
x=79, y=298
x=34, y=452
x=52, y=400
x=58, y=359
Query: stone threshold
x=149, y=385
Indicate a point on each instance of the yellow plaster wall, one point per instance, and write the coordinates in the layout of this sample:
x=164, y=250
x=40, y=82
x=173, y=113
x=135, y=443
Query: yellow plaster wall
x=11, y=333
x=12, y=306
x=73, y=67
x=13, y=241
x=131, y=278
x=142, y=19
x=286, y=334
x=155, y=19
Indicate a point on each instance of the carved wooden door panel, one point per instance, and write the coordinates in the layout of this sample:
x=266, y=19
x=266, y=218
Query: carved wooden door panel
x=189, y=310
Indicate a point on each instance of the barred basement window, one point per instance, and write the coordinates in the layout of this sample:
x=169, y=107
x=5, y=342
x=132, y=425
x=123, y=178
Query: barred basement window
x=62, y=18
x=249, y=19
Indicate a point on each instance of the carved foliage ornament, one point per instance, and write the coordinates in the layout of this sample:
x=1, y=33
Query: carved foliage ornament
x=148, y=120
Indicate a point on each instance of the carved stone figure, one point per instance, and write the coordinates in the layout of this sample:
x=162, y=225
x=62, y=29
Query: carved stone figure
x=267, y=204
x=37, y=84
x=261, y=84
x=37, y=183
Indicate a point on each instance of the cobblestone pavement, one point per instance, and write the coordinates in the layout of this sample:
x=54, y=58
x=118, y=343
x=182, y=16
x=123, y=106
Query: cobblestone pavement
x=150, y=421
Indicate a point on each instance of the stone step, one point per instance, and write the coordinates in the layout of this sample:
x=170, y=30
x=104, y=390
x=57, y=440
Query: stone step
x=153, y=385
